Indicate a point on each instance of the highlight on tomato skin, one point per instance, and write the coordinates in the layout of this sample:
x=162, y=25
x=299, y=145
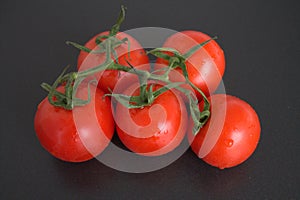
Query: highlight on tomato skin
x=237, y=138
x=75, y=135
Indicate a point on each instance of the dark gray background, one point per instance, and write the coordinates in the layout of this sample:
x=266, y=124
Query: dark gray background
x=261, y=40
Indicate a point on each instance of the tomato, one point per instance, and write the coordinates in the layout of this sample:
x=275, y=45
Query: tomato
x=231, y=134
x=205, y=67
x=109, y=78
x=75, y=135
x=152, y=130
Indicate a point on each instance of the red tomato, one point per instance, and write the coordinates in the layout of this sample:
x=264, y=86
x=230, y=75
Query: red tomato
x=77, y=135
x=109, y=78
x=152, y=130
x=231, y=134
x=205, y=67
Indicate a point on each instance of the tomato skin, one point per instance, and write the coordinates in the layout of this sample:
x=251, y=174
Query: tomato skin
x=239, y=135
x=152, y=130
x=205, y=67
x=72, y=135
x=109, y=78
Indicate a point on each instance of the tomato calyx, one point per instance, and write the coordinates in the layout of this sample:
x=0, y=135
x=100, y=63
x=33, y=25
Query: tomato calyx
x=71, y=81
x=176, y=59
x=66, y=100
x=146, y=97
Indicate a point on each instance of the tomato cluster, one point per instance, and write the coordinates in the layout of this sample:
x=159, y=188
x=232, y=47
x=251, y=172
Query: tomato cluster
x=151, y=110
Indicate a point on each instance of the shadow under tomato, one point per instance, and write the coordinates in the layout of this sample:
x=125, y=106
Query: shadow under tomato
x=86, y=176
x=116, y=141
x=219, y=183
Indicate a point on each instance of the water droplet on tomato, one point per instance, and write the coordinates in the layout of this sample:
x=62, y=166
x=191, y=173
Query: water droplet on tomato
x=228, y=142
x=251, y=126
x=75, y=138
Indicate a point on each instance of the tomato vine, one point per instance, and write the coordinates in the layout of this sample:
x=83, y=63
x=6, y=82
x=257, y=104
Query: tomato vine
x=107, y=45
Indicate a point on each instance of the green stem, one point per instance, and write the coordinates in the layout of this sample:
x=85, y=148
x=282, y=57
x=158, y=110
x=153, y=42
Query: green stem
x=107, y=44
x=197, y=47
x=115, y=29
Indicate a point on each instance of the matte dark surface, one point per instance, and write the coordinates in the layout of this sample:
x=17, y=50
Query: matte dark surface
x=261, y=40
